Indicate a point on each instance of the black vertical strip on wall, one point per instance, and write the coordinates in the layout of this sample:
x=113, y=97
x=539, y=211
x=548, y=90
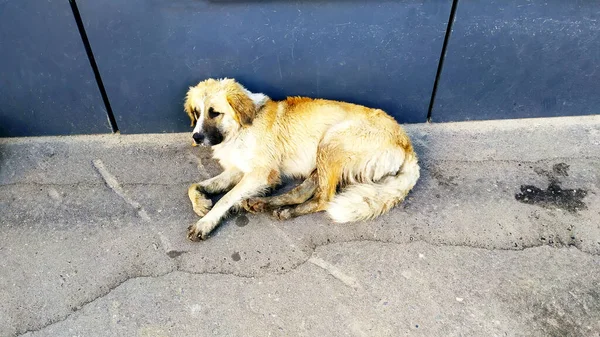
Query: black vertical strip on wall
x=88, y=50
x=442, y=57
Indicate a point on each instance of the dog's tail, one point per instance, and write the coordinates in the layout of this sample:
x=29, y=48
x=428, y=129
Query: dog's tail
x=365, y=201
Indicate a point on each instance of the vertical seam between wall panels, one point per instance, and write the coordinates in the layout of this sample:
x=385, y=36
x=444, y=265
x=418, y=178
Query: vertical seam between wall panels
x=442, y=57
x=90, y=55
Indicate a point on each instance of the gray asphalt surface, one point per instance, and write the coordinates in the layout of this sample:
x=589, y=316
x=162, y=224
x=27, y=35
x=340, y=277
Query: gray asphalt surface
x=501, y=237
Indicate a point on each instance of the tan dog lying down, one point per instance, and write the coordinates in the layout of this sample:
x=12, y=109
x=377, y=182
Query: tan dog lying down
x=364, y=153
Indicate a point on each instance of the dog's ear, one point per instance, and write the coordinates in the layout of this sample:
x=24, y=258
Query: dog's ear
x=243, y=107
x=187, y=106
x=190, y=112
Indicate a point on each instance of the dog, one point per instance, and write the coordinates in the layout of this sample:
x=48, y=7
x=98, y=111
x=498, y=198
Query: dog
x=356, y=162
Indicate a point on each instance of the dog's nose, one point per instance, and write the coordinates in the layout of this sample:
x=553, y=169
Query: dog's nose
x=198, y=137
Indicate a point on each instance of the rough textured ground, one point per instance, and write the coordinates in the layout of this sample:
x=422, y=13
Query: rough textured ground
x=501, y=237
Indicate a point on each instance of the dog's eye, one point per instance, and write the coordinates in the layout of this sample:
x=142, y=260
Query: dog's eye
x=212, y=113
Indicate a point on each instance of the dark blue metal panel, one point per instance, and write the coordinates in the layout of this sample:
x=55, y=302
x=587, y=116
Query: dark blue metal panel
x=47, y=86
x=378, y=53
x=521, y=58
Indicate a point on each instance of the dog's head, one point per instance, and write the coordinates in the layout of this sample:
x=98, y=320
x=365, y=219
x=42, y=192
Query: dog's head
x=219, y=109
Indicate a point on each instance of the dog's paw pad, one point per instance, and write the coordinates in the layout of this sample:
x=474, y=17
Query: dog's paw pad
x=282, y=213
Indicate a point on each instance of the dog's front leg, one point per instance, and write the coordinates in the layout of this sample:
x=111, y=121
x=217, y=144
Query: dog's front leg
x=251, y=184
x=218, y=184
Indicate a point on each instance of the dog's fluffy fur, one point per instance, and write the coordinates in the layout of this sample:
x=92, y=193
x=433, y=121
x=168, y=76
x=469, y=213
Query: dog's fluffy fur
x=356, y=162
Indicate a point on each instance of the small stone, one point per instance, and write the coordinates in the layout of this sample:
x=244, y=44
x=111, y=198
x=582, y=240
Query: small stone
x=54, y=195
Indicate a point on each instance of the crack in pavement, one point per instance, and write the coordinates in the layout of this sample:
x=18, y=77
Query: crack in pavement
x=310, y=257
x=112, y=288
x=80, y=306
x=113, y=184
x=336, y=272
x=330, y=268
x=463, y=245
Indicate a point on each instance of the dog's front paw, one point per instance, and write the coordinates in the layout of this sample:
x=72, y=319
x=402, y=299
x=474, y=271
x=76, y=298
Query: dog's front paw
x=255, y=205
x=201, y=230
x=283, y=213
x=200, y=203
x=201, y=206
x=196, y=233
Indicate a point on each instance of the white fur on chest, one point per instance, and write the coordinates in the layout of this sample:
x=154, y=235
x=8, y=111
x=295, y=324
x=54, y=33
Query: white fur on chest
x=237, y=153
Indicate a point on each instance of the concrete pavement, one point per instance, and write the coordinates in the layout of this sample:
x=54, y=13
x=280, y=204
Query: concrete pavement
x=501, y=236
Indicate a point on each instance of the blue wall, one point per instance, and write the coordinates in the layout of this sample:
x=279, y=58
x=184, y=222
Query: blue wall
x=47, y=86
x=378, y=53
x=504, y=58
x=519, y=58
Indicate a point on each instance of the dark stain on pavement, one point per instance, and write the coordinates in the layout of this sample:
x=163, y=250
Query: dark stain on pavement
x=175, y=253
x=558, y=170
x=561, y=169
x=554, y=196
x=442, y=179
x=241, y=221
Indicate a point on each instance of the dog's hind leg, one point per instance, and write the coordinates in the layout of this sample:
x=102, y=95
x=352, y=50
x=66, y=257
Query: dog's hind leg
x=377, y=170
x=297, y=195
x=329, y=173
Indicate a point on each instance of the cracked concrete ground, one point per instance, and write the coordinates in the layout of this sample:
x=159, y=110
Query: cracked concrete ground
x=501, y=236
